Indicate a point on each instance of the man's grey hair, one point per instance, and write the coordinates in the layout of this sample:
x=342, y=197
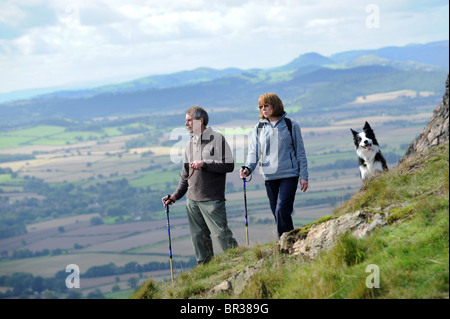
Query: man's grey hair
x=198, y=113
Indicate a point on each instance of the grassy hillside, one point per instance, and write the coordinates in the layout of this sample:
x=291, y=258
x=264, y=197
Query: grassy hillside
x=412, y=252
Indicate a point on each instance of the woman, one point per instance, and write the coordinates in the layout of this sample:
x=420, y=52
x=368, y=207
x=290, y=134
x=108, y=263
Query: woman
x=278, y=145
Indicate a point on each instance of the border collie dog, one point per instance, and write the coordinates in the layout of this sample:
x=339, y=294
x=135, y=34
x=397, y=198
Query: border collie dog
x=370, y=161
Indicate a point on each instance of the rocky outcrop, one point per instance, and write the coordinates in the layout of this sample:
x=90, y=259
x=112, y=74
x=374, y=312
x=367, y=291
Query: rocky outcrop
x=437, y=130
x=323, y=236
x=237, y=283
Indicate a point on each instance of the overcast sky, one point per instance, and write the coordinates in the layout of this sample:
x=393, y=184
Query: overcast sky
x=46, y=43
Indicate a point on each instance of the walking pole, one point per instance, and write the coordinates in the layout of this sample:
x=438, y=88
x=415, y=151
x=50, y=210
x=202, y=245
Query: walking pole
x=245, y=205
x=170, y=241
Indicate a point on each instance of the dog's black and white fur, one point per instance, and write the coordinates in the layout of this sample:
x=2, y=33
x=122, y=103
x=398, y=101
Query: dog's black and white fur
x=371, y=161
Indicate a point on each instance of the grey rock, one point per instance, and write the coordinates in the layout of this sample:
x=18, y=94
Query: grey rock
x=324, y=236
x=437, y=130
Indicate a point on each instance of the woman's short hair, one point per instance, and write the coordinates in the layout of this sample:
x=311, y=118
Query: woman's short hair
x=199, y=112
x=275, y=101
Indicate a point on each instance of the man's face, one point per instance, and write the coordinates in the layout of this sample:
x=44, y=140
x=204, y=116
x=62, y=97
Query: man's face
x=193, y=126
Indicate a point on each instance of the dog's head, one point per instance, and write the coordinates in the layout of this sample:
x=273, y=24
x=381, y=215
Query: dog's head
x=365, y=139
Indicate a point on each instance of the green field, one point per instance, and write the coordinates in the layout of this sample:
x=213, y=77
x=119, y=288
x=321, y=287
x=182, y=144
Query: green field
x=51, y=135
x=5, y=178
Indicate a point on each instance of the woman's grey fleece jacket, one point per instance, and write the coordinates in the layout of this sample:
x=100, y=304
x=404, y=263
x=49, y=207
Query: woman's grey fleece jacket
x=273, y=147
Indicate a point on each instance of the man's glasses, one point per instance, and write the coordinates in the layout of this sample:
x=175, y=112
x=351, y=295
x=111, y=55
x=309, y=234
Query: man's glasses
x=264, y=105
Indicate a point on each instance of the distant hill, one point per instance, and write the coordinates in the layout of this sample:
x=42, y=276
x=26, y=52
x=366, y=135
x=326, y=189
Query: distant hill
x=160, y=81
x=307, y=60
x=310, y=82
x=434, y=53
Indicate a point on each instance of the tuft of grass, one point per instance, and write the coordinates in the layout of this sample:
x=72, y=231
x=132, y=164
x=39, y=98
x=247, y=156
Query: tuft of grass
x=149, y=290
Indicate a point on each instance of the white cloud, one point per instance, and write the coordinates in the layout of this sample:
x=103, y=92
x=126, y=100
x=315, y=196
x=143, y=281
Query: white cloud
x=11, y=14
x=96, y=39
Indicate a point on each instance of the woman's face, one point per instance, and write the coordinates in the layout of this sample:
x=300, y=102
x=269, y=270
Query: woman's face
x=266, y=109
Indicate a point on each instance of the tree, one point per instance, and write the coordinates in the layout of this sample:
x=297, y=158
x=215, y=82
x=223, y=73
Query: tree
x=37, y=284
x=96, y=221
x=20, y=282
x=115, y=288
x=114, y=211
x=133, y=282
x=131, y=267
x=96, y=294
x=75, y=294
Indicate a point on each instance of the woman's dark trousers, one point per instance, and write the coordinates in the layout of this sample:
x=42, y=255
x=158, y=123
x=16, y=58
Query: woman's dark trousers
x=281, y=193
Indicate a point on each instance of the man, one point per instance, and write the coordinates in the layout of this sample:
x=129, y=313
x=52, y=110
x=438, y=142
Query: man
x=207, y=160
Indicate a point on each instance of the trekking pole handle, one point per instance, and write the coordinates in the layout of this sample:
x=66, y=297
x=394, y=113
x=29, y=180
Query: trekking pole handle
x=244, y=168
x=168, y=199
